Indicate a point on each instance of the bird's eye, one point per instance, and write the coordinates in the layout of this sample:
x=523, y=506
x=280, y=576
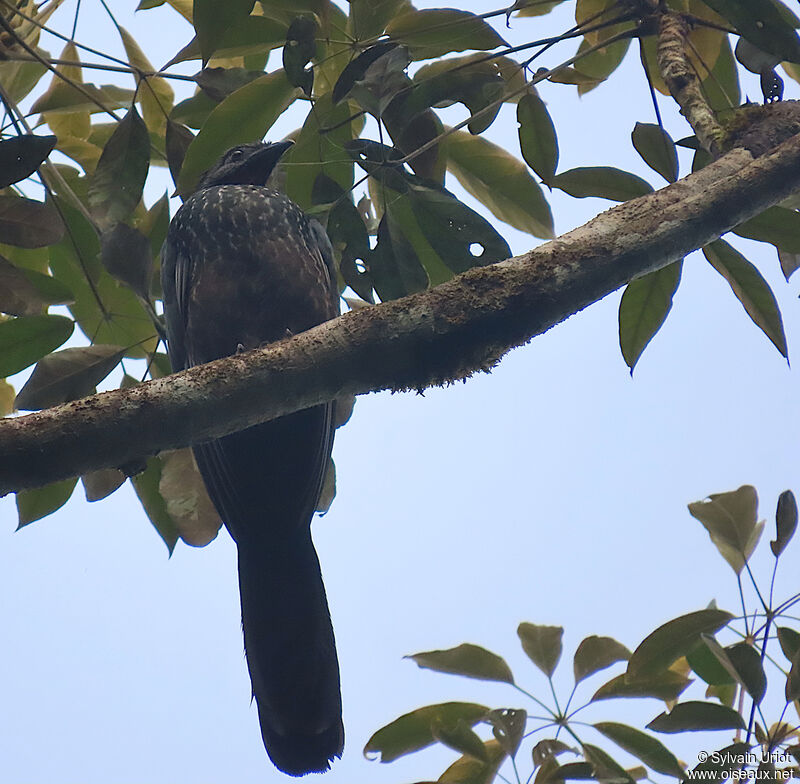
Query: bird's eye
x=236, y=155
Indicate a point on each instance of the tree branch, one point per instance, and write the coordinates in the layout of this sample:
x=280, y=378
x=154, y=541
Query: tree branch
x=434, y=337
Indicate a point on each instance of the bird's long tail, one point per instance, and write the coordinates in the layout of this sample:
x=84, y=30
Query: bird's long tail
x=291, y=653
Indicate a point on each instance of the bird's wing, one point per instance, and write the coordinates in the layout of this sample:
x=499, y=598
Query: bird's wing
x=176, y=274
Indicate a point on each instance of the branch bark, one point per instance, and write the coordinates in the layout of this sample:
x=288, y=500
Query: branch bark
x=435, y=337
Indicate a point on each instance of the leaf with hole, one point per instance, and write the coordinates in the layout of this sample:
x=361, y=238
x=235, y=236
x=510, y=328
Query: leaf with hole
x=299, y=50
x=508, y=727
x=460, y=236
x=762, y=23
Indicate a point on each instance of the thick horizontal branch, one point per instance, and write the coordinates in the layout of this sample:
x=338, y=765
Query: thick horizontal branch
x=434, y=337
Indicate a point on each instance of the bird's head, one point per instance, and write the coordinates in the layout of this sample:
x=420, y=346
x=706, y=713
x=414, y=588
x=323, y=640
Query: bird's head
x=245, y=164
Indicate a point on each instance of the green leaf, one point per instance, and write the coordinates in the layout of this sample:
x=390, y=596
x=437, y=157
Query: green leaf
x=785, y=522
x=67, y=375
x=750, y=289
x=460, y=236
x=26, y=339
x=777, y=225
x=188, y=505
x=548, y=749
x=409, y=248
x=657, y=149
x=500, y=182
x=644, y=307
x=604, y=182
x=98, y=485
x=461, y=738
x=792, y=691
x=436, y=31
x=116, y=186
x=24, y=292
x=105, y=311
x=414, y=731
x=666, y=685
x=534, y=7
x=789, y=640
x=21, y=156
x=595, y=654
x=26, y=223
x=642, y=746
x=35, y=504
x=146, y=485
x=316, y=152
x=672, y=640
x=707, y=665
x=468, y=770
x=356, y=70
x=731, y=520
x=537, y=136
x=468, y=660
x=599, y=64
x=125, y=253
x=508, y=728
x=177, y=140
x=213, y=19
x=395, y=267
x=368, y=18
x=606, y=769
x=721, y=87
x=743, y=664
x=254, y=34
x=693, y=716
x=761, y=23
x=64, y=98
x=244, y=116
x=298, y=51
x=542, y=644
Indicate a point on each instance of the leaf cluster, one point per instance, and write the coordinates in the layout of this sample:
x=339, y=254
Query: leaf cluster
x=555, y=735
x=371, y=160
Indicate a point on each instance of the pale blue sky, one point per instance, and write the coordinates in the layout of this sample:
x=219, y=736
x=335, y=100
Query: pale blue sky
x=552, y=491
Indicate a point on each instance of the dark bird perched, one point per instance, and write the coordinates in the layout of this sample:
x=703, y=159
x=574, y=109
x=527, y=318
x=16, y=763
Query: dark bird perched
x=243, y=266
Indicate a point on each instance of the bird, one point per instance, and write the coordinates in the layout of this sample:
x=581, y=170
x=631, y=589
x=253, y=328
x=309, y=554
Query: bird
x=243, y=266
